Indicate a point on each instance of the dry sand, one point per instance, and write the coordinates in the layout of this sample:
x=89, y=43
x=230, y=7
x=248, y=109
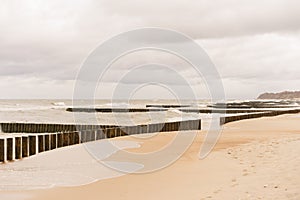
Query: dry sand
x=254, y=159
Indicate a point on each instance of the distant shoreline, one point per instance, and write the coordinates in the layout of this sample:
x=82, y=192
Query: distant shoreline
x=280, y=95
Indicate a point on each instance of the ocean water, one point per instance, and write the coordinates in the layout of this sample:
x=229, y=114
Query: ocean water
x=54, y=111
x=68, y=166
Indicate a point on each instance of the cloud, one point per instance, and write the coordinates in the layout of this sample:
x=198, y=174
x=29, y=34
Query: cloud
x=270, y=56
x=251, y=42
x=206, y=18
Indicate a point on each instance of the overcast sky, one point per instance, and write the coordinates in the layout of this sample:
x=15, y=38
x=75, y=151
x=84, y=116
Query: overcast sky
x=255, y=45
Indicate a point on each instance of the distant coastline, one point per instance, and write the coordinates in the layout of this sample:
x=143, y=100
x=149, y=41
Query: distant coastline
x=280, y=95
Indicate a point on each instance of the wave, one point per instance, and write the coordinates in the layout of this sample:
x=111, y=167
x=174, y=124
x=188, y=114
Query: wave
x=58, y=103
x=172, y=110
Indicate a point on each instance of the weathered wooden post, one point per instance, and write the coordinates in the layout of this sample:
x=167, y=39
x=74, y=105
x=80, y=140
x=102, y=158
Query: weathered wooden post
x=60, y=140
x=25, y=128
x=32, y=145
x=200, y=124
x=2, y=150
x=41, y=143
x=15, y=128
x=65, y=139
x=34, y=128
x=51, y=128
x=25, y=151
x=71, y=138
x=83, y=136
x=29, y=128
x=118, y=132
x=21, y=128
x=111, y=132
x=18, y=148
x=47, y=142
x=177, y=124
x=8, y=128
x=93, y=135
x=9, y=149
x=76, y=137
x=46, y=128
x=53, y=141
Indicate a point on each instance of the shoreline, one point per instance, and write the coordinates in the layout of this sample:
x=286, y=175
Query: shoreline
x=247, y=150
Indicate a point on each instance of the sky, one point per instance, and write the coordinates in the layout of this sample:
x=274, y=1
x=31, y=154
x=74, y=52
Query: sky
x=254, y=45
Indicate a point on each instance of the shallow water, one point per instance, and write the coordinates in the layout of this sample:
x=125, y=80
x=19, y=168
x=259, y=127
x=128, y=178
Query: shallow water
x=68, y=166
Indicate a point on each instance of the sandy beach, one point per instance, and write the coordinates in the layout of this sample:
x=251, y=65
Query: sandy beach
x=254, y=159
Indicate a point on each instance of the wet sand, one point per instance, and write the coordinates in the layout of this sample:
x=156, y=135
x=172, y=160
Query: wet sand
x=254, y=159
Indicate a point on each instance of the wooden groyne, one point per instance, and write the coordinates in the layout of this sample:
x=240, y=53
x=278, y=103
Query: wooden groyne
x=109, y=110
x=26, y=143
x=166, y=108
x=225, y=120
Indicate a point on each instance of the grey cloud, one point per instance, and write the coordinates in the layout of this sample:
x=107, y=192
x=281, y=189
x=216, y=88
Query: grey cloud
x=263, y=57
x=206, y=19
x=249, y=41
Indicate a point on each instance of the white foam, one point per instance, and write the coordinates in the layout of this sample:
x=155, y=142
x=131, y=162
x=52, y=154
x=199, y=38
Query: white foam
x=59, y=104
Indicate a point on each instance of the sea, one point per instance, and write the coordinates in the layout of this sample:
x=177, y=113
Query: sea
x=54, y=111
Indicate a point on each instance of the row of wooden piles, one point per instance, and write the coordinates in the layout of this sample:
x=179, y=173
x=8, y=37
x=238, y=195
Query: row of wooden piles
x=35, y=138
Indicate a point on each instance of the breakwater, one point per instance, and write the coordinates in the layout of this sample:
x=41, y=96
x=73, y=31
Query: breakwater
x=225, y=120
x=21, y=140
x=109, y=110
x=166, y=108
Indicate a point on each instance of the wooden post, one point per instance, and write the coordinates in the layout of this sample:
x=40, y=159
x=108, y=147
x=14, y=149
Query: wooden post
x=118, y=132
x=53, y=141
x=93, y=135
x=9, y=149
x=34, y=128
x=65, y=139
x=2, y=147
x=83, y=136
x=61, y=127
x=76, y=137
x=29, y=127
x=18, y=148
x=47, y=142
x=111, y=132
x=15, y=128
x=25, y=128
x=32, y=145
x=60, y=140
x=25, y=147
x=46, y=128
x=8, y=127
x=150, y=128
x=41, y=142
x=71, y=138
x=50, y=128
x=21, y=128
